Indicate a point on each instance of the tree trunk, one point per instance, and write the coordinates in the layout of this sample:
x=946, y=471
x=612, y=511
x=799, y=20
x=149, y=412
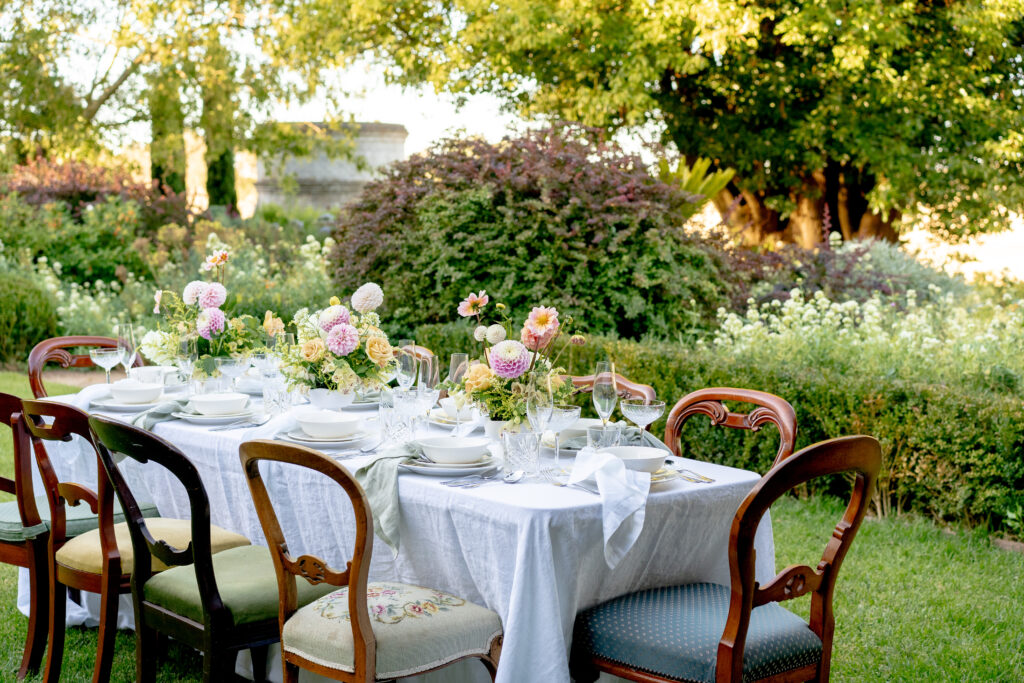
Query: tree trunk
x=167, y=149
x=218, y=121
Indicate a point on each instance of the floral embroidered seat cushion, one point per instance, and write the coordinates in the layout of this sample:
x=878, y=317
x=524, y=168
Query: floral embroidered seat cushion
x=674, y=632
x=417, y=629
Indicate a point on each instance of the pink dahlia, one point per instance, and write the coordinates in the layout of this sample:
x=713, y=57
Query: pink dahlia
x=213, y=296
x=509, y=359
x=543, y=321
x=534, y=341
x=473, y=304
x=192, y=292
x=342, y=339
x=210, y=322
x=333, y=316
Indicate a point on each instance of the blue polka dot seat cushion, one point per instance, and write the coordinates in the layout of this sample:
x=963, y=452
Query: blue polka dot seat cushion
x=674, y=632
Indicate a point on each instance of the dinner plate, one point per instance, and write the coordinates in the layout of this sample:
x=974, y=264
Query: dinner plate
x=370, y=404
x=197, y=419
x=445, y=471
x=109, y=403
x=486, y=460
x=440, y=418
x=303, y=439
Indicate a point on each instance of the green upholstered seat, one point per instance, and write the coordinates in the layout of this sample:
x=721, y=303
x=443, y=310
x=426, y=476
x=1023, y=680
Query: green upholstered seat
x=674, y=632
x=79, y=519
x=417, y=629
x=245, y=579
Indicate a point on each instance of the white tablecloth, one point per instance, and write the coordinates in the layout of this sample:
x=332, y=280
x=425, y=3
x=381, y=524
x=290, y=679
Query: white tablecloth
x=531, y=551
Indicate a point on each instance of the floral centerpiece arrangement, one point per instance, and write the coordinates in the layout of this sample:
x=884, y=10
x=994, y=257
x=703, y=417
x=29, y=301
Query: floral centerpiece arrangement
x=200, y=313
x=340, y=350
x=498, y=380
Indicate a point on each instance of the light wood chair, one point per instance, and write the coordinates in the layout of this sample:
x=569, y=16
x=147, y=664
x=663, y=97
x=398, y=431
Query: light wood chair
x=770, y=409
x=55, y=350
x=336, y=636
x=217, y=593
x=24, y=535
x=726, y=634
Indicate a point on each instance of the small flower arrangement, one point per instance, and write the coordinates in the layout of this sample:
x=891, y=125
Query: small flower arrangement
x=497, y=381
x=199, y=313
x=340, y=349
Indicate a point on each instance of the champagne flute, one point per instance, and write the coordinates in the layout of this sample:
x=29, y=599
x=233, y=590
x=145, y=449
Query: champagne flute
x=105, y=358
x=126, y=345
x=406, y=363
x=605, y=394
x=429, y=380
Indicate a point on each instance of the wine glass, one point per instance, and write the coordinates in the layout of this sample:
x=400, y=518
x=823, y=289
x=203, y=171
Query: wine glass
x=186, y=357
x=605, y=393
x=563, y=416
x=539, y=400
x=106, y=358
x=457, y=368
x=641, y=413
x=428, y=387
x=125, y=334
x=406, y=363
x=232, y=368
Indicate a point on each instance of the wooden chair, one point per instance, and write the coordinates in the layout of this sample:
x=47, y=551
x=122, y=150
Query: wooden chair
x=771, y=409
x=83, y=547
x=727, y=634
x=627, y=388
x=24, y=535
x=217, y=595
x=54, y=350
x=336, y=636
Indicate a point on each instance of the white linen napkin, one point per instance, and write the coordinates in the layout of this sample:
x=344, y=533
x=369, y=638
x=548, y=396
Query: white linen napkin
x=87, y=395
x=623, y=499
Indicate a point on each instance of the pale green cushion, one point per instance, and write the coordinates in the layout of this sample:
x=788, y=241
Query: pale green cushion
x=79, y=519
x=246, y=581
x=417, y=629
x=674, y=632
x=83, y=552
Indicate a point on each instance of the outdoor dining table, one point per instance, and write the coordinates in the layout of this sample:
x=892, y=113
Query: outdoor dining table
x=532, y=552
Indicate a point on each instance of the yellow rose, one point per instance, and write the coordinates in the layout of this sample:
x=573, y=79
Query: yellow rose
x=313, y=350
x=478, y=378
x=379, y=350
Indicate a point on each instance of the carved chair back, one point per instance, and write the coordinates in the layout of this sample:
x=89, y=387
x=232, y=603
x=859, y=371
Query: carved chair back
x=860, y=455
x=625, y=387
x=48, y=421
x=55, y=350
x=113, y=437
x=770, y=409
x=311, y=568
x=21, y=486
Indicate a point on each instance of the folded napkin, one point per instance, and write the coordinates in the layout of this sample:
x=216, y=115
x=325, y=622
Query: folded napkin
x=86, y=396
x=623, y=499
x=379, y=479
x=162, y=413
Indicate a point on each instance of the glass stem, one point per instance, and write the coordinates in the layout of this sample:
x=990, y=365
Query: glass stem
x=108, y=374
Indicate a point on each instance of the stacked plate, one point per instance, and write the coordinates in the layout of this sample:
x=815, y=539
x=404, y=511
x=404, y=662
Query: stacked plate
x=433, y=469
x=113, y=405
x=300, y=437
x=440, y=418
x=210, y=420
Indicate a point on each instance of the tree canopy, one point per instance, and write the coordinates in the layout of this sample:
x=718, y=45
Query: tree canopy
x=849, y=113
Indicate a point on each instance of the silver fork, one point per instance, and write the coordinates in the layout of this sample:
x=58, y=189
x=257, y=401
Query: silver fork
x=472, y=480
x=242, y=424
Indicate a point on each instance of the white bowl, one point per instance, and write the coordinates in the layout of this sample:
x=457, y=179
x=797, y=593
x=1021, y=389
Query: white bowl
x=455, y=450
x=448, y=403
x=327, y=424
x=133, y=391
x=579, y=429
x=222, y=403
x=639, y=458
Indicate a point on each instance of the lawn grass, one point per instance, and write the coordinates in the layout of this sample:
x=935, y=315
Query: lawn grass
x=913, y=602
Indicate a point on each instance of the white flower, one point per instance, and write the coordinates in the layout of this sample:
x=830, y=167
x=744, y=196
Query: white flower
x=480, y=333
x=192, y=292
x=368, y=298
x=495, y=333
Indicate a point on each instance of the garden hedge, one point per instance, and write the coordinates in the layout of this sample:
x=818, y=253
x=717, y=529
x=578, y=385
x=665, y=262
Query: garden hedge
x=27, y=316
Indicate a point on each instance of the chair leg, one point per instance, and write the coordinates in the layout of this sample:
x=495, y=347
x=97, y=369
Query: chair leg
x=258, y=655
x=219, y=665
x=290, y=672
x=39, y=609
x=57, y=620
x=108, y=630
x=145, y=651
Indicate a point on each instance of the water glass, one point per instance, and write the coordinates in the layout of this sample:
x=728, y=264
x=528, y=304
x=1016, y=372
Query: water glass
x=406, y=363
x=266, y=364
x=185, y=359
x=539, y=401
x=126, y=347
x=522, y=451
x=457, y=368
x=396, y=425
x=232, y=368
x=604, y=436
x=277, y=400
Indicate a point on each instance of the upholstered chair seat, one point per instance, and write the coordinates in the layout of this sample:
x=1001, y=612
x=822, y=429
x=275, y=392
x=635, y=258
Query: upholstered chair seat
x=79, y=519
x=674, y=632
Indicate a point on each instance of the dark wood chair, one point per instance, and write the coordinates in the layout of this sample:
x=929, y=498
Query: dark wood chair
x=218, y=594
x=24, y=535
x=55, y=350
x=83, y=550
x=336, y=636
x=626, y=388
x=770, y=410
x=726, y=634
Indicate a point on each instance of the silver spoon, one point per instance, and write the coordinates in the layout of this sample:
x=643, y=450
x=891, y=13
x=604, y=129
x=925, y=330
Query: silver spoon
x=514, y=477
